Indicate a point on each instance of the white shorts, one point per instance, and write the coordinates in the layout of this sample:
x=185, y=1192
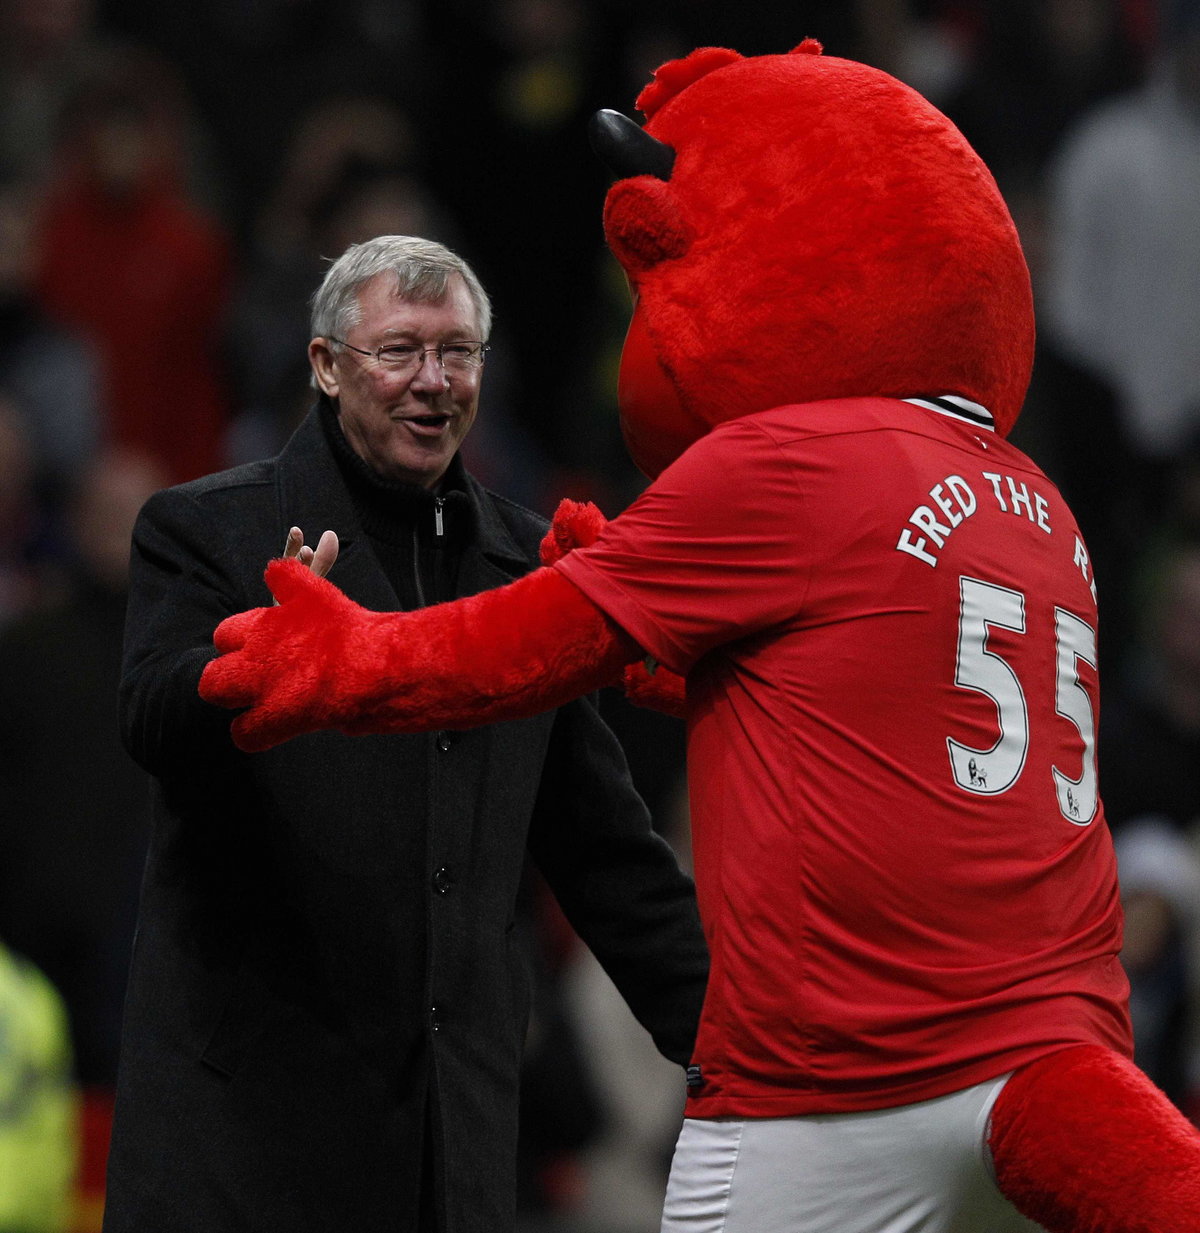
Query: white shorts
x=921, y=1168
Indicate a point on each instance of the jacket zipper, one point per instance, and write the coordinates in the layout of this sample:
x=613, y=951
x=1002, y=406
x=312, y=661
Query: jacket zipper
x=439, y=531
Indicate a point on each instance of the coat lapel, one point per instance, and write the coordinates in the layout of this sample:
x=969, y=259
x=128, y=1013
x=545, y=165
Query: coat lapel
x=493, y=556
x=313, y=496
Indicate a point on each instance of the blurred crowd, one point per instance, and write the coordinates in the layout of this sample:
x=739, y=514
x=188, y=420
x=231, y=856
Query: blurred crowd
x=173, y=178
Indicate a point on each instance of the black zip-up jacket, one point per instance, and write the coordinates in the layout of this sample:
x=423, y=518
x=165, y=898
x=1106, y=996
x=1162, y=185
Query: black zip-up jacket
x=326, y=946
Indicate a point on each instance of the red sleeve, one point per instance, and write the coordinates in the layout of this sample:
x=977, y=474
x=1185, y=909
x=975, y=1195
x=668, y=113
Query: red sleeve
x=713, y=551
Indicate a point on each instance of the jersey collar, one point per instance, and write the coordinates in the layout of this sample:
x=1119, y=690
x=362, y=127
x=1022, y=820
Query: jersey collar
x=957, y=408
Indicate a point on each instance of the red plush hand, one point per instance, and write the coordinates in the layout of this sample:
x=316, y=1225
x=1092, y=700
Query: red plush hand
x=292, y=664
x=575, y=525
x=647, y=684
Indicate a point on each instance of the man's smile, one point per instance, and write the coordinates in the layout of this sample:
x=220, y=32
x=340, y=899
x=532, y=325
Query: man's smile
x=429, y=423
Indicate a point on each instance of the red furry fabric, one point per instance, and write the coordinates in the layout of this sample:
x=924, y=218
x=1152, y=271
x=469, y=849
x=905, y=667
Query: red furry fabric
x=825, y=232
x=319, y=660
x=656, y=688
x=644, y=224
x=676, y=75
x=1083, y=1142
x=577, y=525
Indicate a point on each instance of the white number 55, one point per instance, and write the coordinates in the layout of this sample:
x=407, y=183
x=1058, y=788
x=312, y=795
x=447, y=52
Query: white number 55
x=989, y=772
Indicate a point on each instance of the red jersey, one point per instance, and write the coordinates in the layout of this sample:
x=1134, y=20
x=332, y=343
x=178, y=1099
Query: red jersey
x=887, y=621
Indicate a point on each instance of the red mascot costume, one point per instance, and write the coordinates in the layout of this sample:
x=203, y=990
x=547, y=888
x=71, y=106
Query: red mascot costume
x=883, y=612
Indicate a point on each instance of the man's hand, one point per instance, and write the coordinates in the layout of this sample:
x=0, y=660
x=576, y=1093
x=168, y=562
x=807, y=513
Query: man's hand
x=320, y=560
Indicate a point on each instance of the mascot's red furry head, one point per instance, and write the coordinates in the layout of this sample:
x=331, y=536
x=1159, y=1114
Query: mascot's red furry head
x=776, y=256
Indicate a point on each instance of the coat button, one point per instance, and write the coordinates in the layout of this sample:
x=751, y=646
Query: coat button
x=443, y=880
x=444, y=741
x=435, y=1018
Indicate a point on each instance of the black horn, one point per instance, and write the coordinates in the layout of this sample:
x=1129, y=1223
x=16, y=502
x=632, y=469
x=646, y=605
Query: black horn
x=626, y=149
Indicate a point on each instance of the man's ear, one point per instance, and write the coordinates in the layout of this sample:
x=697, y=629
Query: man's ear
x=321, y=357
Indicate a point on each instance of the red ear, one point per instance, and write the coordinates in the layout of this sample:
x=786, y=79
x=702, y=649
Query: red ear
x=643, y=223
x=677, y=75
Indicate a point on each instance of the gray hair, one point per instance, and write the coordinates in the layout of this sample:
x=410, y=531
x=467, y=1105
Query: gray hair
x=422, y=268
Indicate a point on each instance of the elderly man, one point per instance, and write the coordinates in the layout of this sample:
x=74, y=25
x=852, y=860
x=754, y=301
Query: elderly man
x=328, y=1004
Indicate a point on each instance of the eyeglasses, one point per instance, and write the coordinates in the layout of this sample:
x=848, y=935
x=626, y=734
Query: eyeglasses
x=408, y=357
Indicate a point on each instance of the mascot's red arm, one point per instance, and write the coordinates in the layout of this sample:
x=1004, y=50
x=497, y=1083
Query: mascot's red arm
x=318, y=660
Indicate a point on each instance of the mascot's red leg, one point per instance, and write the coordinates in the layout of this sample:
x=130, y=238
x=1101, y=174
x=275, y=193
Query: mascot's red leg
x=1083, y=1142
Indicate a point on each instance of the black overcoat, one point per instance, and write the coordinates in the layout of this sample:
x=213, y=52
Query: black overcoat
x=283, y=1024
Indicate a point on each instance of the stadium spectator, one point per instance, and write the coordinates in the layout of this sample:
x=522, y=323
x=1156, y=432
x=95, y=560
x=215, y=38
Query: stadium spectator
x=1122, y=294
x=51, y=374
x=76, y=815
x=37, y=1103
x=128, y=262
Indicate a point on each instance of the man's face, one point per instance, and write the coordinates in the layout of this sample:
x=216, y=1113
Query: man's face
x=404, y=425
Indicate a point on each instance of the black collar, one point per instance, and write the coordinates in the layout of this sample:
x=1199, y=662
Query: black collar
x=389, y=509
x=314, y=494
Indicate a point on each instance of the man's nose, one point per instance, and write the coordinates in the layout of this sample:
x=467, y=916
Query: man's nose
x=431, y=375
